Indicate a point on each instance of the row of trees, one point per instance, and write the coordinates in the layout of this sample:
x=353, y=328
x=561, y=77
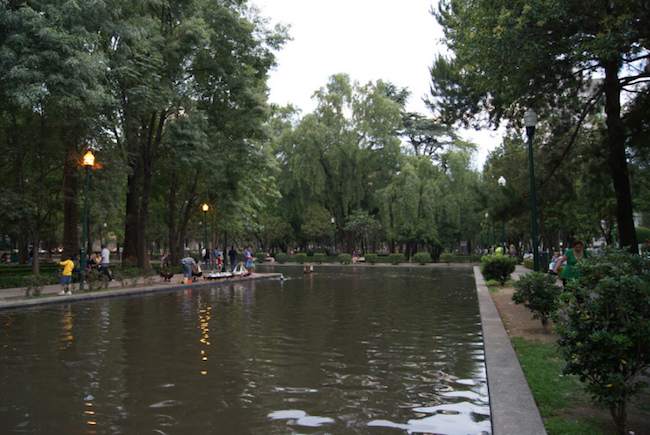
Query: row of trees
x=171, y=95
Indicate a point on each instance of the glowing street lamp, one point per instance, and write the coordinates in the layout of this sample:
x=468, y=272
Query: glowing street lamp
x=205, y=207
x=89, y=162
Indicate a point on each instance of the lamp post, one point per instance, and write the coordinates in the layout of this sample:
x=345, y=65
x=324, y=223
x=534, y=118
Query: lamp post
x=332, y=240
x=487, y=232
x=205, y=207
x=530, y=120
x=89, y=162
x=502, y=183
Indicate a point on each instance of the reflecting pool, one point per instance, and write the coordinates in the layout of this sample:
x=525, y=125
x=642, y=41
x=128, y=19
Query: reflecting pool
x=345, y=350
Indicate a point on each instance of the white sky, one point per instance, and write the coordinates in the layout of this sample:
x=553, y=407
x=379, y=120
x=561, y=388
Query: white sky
x=394, y=41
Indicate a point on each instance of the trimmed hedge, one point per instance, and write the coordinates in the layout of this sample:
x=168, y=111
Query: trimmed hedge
x=422, y=258
x=319, y=257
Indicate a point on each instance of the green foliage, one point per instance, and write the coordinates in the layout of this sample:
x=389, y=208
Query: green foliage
x=260, y=257
x=422, y=258
x=301, y=257
x=498, y=267
x=319, y=257
x=281, y=257
x=447, y=257
x=34, y=284
x=642, y=233
x=539, y=293
x=371, y=258
x=344, y=258
x=396, y=259
x=605, y=330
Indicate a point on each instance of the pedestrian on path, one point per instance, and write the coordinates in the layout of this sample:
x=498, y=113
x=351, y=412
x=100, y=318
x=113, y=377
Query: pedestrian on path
x=66, y=275
x=572, y=256
x=105, y=261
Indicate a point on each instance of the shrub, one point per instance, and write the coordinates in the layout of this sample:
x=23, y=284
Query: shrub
x=281, y=257
x=539, y=293
x=34, y=284
x=371, y=258
x=396, y=259
x=344, y=258
x=301, y=257
x=498, y=267
x=422, y=258
x=605, y=329
x=319, y=257
x=447, y=257
x=642, y=233
x=260, y=257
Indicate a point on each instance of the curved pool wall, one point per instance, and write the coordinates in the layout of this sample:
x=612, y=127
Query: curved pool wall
x=344, y=350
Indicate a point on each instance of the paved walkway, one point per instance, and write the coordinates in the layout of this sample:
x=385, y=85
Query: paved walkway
x=513, y=408
x=15, y=297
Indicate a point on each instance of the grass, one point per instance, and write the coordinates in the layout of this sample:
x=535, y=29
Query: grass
x=554, y=393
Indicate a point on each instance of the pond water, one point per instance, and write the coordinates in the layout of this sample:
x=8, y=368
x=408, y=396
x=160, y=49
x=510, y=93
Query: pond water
x=345, y=350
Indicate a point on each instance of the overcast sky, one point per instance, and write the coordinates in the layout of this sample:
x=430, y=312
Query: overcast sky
x=395, y=41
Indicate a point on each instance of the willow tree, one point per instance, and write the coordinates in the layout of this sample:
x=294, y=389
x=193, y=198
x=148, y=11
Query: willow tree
x=344, y=151
x=567, y=57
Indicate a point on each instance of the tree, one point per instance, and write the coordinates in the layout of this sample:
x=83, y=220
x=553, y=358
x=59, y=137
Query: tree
x=338, y=156
x=605, y=330
x=559, y=57
x=202, y=59
x=50, y=94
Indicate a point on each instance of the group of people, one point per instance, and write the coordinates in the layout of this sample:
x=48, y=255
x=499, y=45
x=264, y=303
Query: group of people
x=100, y=261
x=216, y=260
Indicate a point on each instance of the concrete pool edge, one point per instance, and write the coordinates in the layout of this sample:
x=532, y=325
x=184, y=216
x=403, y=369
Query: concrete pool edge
x=512, y=405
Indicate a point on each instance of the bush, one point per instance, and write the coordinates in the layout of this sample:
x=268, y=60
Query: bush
x=396, y=259
x=319, y=257
x=260, y=257
x=447, y=257
x=498, y=267
x=642, y=233
x=34, y=284
x=371, y=258
x=301, y=257
x=605, y=329
x=422, y=258
x=344, y=258
x=539, y=293
x=281, y=257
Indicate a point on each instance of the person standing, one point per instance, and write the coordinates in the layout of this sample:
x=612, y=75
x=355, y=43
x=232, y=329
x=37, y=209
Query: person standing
x=232, y=255
x=213, y=258
x=66, y=276
x=105, y=261
x=248, y=258
x=572, y=256
x=187, y=264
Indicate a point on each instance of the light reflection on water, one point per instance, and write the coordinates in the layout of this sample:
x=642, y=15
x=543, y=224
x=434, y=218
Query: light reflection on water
x=344, y=350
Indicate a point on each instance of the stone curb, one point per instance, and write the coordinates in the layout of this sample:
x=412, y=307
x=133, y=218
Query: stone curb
x=513, y=407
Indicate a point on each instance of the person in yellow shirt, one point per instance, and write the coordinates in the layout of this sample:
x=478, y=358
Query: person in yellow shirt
x=66, y=275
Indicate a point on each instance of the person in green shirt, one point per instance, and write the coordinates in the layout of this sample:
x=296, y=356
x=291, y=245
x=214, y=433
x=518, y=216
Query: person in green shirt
x=66, y=275
x=572, y=257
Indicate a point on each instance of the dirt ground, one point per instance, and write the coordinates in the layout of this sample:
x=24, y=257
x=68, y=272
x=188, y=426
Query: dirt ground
x=518, y=323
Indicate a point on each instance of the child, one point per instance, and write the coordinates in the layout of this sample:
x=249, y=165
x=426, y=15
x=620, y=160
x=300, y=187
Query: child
x=66, y=276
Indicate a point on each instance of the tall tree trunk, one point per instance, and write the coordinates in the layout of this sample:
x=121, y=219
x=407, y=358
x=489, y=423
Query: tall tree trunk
x=618, y=159
x=130, y=253
x=70, y=208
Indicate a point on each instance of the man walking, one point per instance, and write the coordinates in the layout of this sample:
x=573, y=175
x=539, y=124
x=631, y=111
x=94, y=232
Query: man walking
x=104, y=263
